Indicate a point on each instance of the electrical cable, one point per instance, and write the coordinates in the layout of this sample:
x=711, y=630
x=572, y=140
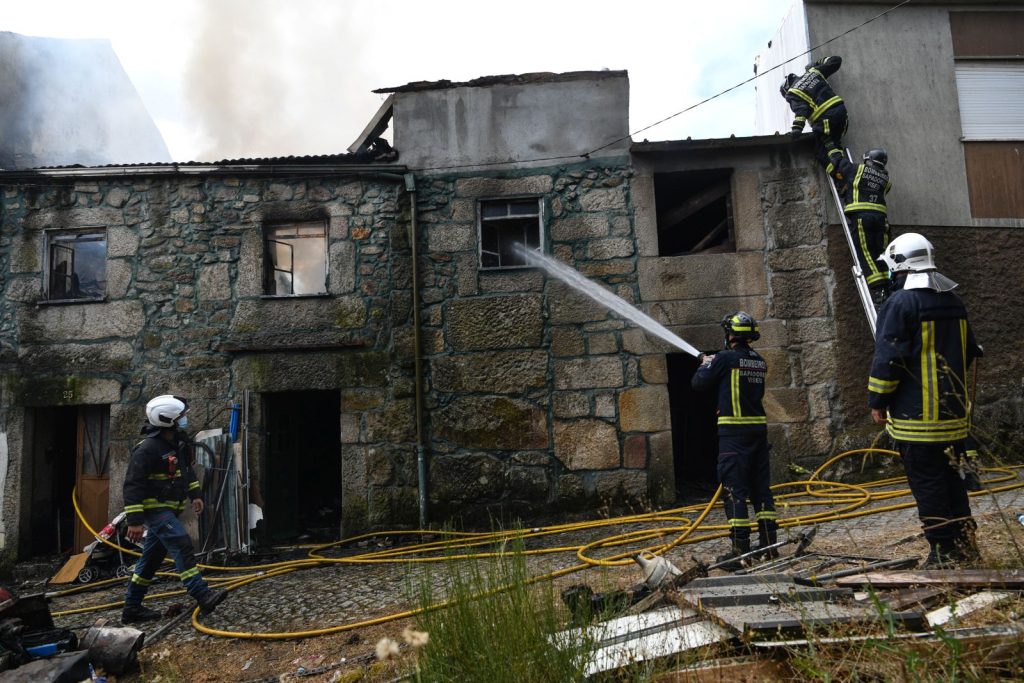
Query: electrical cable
x=629, y=136
x=814, y=500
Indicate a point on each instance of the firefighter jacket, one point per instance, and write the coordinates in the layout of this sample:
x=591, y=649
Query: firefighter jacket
x=739, y=375
x=923, y=347
x=811, y=96
x=862, y=186
x=160, y=475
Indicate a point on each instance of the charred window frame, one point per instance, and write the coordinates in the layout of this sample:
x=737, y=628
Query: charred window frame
x=695, y=214
x=76, y=265
x=503, y=223
x=295, y=259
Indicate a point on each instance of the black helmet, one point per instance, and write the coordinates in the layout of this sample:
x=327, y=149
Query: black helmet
x=877, y=156
x=787, y=83
x=741, y=325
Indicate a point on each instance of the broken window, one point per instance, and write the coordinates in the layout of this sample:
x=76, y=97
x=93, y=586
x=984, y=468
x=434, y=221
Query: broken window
x=76, y=264
x=296, y=259
x=504, y=223
x=694, y=212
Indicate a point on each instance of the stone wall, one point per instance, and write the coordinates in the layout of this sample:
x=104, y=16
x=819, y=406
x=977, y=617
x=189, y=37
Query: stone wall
x=184, y=314
x=534, y=395
x=779, y=273
x=983, y=262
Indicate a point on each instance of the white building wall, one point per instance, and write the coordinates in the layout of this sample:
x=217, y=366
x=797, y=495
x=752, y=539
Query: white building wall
x=772, y=114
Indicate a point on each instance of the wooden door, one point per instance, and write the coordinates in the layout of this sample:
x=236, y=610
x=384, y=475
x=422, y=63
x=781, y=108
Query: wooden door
x=93, y=478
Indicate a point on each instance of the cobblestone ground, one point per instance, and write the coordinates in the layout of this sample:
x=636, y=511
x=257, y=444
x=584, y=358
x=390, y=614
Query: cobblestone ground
x=339, y=594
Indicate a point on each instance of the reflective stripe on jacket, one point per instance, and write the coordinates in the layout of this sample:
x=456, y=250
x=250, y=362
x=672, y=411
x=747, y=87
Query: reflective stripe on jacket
x=862, y=186
x=739, y=376
x=923, y=348
x=160, y=475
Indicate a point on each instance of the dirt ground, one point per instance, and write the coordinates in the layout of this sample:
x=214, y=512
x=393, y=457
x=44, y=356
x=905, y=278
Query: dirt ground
x=211, y=660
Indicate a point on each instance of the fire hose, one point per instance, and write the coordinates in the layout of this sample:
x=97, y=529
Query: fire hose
x=838, y=500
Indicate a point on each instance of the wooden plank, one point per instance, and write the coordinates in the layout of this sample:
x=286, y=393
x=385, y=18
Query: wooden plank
x=695, y=203
x=961, y=608
x=69, y=572
x=730, y=671
x=912, y=597
x=958, y=578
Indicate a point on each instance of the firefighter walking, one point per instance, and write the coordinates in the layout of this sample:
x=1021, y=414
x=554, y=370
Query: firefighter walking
x=918, y=389
x=738, y=374
x=159, y=481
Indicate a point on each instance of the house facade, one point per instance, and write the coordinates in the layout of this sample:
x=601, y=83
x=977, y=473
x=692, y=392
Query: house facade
x=396, y=359
x=941, y=87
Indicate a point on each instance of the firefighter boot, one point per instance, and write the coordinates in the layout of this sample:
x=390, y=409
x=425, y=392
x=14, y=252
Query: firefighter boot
x=767, y=535
x=132, y=614
x=740, y=546
x=965, y=546
x=209, y=600
x=942, y=555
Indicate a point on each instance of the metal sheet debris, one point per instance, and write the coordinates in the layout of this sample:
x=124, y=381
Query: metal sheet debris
x=641, y=637
x=761, y=606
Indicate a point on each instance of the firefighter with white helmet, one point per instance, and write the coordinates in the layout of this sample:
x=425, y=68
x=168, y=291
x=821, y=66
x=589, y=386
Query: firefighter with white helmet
x=738, y=375
x=159, y=482
x=924, y=345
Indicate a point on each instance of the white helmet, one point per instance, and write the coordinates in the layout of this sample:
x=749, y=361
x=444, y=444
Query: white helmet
x=909, y=253
x=164, y=411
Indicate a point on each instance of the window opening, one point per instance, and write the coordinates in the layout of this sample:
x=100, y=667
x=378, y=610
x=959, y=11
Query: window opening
x=296, y=259
x=505, y=223
x=77, y=265
x=694, y=212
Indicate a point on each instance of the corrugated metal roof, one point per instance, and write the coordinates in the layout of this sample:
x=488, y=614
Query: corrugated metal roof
x=317, y=159
x=715, y=143
x=506, y=79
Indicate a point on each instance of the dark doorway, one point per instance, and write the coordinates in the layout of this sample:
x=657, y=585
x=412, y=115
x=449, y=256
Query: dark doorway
x=694, y=426
x=302, y=466
x=69, y=449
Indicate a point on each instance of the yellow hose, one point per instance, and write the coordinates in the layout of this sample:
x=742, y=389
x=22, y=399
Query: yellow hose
x=841, y=500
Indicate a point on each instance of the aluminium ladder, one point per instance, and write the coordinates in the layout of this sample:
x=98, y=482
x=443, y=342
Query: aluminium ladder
x=858, y=276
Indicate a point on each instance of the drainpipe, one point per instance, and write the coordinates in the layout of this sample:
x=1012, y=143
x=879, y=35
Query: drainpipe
x=421, y=447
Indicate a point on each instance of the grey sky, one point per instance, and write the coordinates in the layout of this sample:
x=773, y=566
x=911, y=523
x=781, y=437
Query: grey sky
x=234, y=78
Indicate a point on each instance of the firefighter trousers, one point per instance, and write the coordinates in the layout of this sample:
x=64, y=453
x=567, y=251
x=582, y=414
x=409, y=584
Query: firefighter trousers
x=870, y=231
x=940, y=492
x=743, y=469
x=166, y=534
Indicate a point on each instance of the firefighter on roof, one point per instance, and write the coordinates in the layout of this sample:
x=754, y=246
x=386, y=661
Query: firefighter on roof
x=813, y=101
x=862, y=188
x=159, y=481
x=738, y=374
x=917, y=388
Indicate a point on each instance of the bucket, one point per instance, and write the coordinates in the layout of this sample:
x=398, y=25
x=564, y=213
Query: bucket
x=114, y=648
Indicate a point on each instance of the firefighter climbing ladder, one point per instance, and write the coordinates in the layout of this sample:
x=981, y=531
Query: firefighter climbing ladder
x=858, y=276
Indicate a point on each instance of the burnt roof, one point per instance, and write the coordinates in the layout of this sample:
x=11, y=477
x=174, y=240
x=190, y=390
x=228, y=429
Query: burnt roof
x=506, y=79
x=318, y=163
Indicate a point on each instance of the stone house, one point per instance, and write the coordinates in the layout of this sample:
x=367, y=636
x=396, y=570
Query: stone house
x=391, y=380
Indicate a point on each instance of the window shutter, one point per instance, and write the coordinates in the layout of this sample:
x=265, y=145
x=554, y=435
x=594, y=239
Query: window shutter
x=991, y=100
